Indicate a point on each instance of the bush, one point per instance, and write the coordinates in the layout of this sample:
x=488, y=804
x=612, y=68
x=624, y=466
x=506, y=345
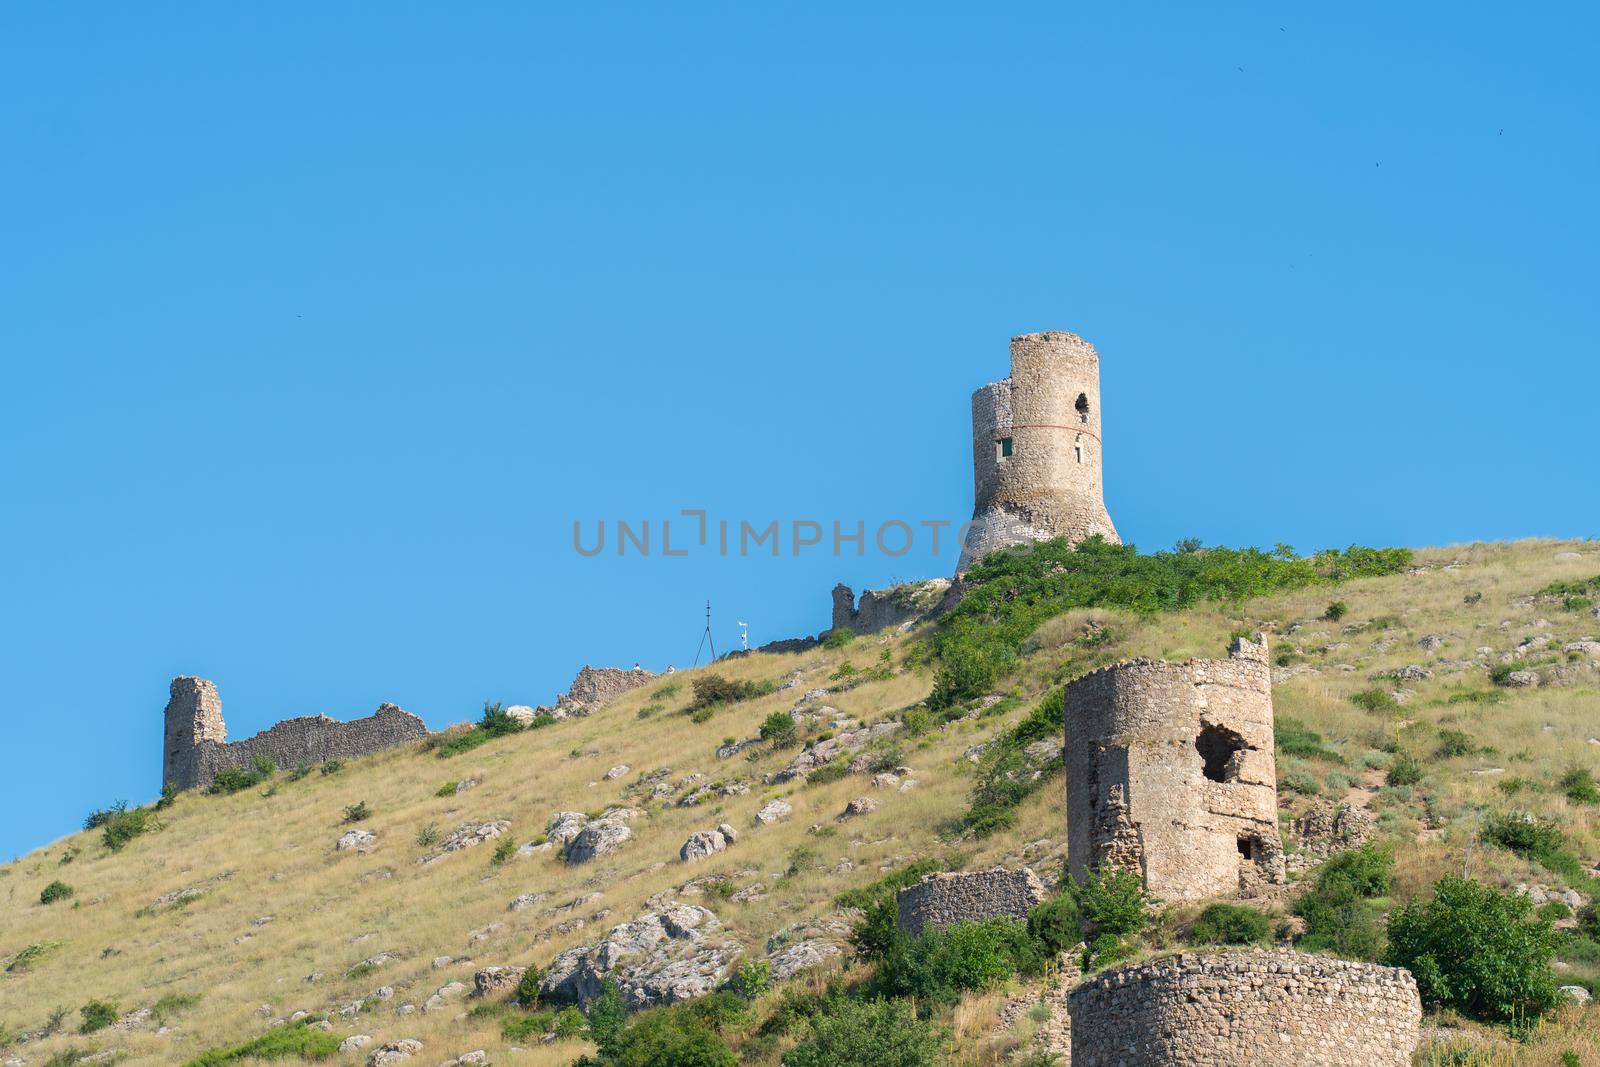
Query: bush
x=1336, y=611
x=837, y=638
x=778, y=729
x=1291, y=737
x=1005, y=777
x=124, y=824
x=503, y=851
x=333, y=766
x=608, y=1017
x=752, y=978
x=526, y=1027
x=428, y=835
x=668, y=1037
x=1455, y=743
x=1053, y=924
x=832, y=771
x=528, y=989
x=1342, y=910
x=1230, y=924
x=357, y=812
x=97, y=1015
x=1579, y=786
x=1476, y=950
x=1111, y=902
x=870, y=1033
x=236, y=779
x=1403, y=770
x=447, y=790
x=55, y=891
x=1376, y=700
x=944, y=963
x=296, y=1040
x=713, y=690
x=569, y=1022
x=1537, y=839
x=171, y=1005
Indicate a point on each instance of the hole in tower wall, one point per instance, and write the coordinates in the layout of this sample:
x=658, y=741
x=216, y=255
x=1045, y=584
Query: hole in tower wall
x=1082, y=407
x=1216, y=745
x=1002, y=448
x=1247, y=848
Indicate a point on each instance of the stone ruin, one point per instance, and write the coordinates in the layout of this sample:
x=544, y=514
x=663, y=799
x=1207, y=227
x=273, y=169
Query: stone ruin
x=197, y=746
x=1246, y=1009
x=1170, y=774
x=880, y=609
x=941, y=900
x=592, y=689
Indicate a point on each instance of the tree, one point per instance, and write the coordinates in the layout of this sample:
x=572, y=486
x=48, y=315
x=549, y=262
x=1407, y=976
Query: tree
x=871, y=1033
x=1477, y=950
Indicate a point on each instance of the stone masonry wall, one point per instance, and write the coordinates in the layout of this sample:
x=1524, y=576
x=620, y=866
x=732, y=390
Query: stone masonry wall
x=941, y=900
x=196, y=748
x=1170, y=773
x=1050, y=484
x=1246, y=1009
x=882, y=608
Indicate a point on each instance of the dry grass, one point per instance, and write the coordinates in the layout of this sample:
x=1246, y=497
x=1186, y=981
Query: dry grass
x=273, y=855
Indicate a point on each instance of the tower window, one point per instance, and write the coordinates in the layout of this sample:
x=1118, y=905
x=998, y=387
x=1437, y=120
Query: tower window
x=1077, y=448
x=1002, y=448
x=1217, y=745
x=1246, y=848
x=1082, y=407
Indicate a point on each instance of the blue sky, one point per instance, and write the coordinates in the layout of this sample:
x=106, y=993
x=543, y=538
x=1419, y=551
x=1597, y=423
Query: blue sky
x=320, y=326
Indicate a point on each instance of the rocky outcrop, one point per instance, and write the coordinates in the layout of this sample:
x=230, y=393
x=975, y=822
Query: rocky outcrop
x=665, y=956
x=774, y=811
x=597, y=837
x=703, y=843
x=467, y=835
x=1327, y=829
x=496, y=981
x=828, y=750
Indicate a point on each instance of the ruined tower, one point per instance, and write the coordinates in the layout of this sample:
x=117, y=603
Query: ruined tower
x=1036, y=440
x=194, y=718
x=1170, y=774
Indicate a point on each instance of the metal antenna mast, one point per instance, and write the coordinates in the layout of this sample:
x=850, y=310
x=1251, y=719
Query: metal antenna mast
x=706, y=638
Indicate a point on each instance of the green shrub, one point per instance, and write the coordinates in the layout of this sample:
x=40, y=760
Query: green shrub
x=1377, y=700
x=496, y=722
x=1230, y=924
x=1500, y=674
x=1455, y=743
x=296, y=1040
x=649, y=710
x=944, y=963
x=668, y=1036
x=1111, y=902
x=447, y=790
x=1291, y=737
x=100, y=816
x=1336, y=611
x=699, y=715
x=55, y=891
x=569, y=1022
x=357, y=812
x=300, y=773
x=333, y=766
x=1005, y=777
x=1053, y=924
x=527, y=1027
x=30, y=955
x=752, y=978
x=97, y=1015
x=236, y=779
x=1579, y=786
x=778, y=729
x=503, y=851
x=171, y=1005
x=125, y=824
x=608, y=1017
x=837, y=638
x=1403, y=770
x=1476, y=950
x=1342, y=911
x=428, y=835
x=866, y=1033
x=917, y=721
x=1537, y=839
x=528, y=988
x=1299, y=781
x=831, y=771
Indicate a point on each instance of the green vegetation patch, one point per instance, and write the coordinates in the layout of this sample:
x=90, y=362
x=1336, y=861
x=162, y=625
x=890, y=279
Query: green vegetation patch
x=495, y=723
x=296, y=1040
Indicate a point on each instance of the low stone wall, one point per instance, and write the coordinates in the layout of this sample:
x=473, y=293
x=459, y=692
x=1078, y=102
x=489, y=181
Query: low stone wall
x=1246, y=1009
x=941, y=900
x=311, y=739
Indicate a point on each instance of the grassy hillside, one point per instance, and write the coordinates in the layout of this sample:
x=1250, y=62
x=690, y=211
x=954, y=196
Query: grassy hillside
x=272, y=901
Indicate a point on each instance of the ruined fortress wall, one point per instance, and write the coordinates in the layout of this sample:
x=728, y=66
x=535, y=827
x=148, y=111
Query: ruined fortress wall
x=879, y=609
x=1170, y=773
x=196, y=745
x=597, y=686
x=941, y=900
x=1251, y=1009
x=1050, y=484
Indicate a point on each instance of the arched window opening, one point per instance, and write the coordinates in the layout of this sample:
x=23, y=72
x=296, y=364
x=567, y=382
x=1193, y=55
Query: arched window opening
x=1082, y=407
x=1077, y=448
x=1217, y=746
x=1247, y=847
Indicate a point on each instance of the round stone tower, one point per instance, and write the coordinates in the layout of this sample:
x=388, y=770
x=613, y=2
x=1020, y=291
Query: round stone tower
x=1036, y=440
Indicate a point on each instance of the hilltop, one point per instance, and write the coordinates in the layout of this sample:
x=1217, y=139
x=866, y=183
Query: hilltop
x=1473, y=670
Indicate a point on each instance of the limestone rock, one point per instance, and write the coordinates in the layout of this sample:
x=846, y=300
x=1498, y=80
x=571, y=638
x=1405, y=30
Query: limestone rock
x=526, y=900
x=467, y=835
x=886, y=780
x=617, y=772
x=563, y=826
x=774, y=811
x=1522, y=679
x=357, y=840
x=447, y=992
x=1576, y=993
x=600, y=837
x=492, y=981
x=859, y=806
x=702, y=843
x=802, y=956
x=826, y=751
x=395, y=1052
x=729, y=834
x=672, y=954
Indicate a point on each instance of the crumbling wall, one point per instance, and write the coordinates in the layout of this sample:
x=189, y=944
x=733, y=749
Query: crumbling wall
x=1252, y=1009
x=196, y=745
x=594, y=687
x=1170, y=774
x=881, y=608
x=941, y=900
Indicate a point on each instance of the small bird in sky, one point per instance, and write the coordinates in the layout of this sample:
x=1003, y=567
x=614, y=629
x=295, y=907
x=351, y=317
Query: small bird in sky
x=1241, y=70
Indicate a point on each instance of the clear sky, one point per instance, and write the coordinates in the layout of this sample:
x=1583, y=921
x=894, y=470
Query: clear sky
x=321, y=324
